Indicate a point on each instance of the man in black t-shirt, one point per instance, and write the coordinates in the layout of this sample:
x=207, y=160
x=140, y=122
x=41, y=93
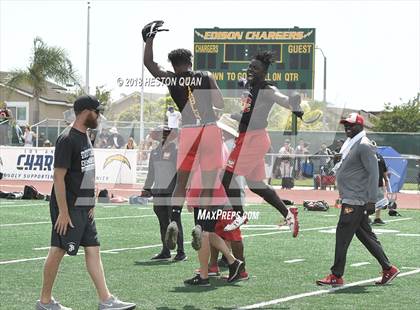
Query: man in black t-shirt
x=72, y=207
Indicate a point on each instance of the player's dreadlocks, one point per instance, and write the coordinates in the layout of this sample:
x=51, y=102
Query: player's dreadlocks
x=180, y=56
x=265, y=57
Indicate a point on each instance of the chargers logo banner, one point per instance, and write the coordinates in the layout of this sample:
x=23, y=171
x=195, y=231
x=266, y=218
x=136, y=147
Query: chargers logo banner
x=37, y=164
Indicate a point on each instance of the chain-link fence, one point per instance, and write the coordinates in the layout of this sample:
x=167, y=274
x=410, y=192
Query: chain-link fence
x=315, y=171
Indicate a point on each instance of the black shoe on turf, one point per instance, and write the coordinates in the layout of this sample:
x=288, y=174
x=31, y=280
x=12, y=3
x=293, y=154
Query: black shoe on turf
x=378, y=222
x=234, y=270
x=180, y=257
x=161, y=257
x=197, y=281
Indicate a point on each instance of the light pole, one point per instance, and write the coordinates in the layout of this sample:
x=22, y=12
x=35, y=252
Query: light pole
x=87, y=49
x=142, y=96
x=324, y=96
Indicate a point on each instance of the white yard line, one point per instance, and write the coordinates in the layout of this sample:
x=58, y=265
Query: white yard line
x=143, y=247
x=409, y=235
x=151, y=246
x=23, y=205
x=360, y=264
x=297, y=260
x=97, y=218
x=318, y=292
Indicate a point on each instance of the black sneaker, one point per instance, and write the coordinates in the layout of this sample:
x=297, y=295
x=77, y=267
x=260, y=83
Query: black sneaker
x=222, y=262
x=161, y=257
x=197, y=281
x=378, y=222
x=234, y=270
x=180, y=257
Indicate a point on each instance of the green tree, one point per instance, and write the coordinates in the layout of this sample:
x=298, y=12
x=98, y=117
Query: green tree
x=46, y=63
x=153, y=112
x=400, y=118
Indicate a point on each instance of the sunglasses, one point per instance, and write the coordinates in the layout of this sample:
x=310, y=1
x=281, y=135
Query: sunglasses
x=94, y=110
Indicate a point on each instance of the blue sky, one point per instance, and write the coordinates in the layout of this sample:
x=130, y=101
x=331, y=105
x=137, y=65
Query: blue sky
x=372, y=47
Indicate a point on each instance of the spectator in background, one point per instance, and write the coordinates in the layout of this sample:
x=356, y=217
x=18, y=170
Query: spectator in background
x=286, y=165
x=174, y=118
x=339, y=143
x=321, y=165
x=5, y=113
x=115, y=140
x=41, y=139
x=301, y=149
x=29, y=137
x=383, y=186
x=101, y=140
x=47, y=143
x=131, y=145
x=6, y=119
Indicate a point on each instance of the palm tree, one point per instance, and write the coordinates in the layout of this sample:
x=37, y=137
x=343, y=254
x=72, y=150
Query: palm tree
x=46, y=63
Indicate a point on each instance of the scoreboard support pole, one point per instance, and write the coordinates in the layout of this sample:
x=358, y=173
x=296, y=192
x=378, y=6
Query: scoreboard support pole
x=294, y=129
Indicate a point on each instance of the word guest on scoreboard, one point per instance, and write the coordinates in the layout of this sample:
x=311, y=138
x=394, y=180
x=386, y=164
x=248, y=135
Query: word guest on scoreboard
x=226, y=53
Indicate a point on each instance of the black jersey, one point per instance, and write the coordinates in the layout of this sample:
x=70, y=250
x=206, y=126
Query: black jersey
x=382, y=169
x=193, y=86
x=73, y=151
x=255, y=108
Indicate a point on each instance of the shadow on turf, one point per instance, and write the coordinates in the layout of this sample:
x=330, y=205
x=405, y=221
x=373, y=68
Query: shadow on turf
x=215, y=284
x=359, y=289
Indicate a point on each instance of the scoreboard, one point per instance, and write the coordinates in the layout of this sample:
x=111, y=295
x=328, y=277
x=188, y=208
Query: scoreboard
x=226, y=54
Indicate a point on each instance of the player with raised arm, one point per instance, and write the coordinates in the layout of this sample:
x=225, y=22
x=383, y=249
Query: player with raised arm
x=200, y=139
x=247, y=158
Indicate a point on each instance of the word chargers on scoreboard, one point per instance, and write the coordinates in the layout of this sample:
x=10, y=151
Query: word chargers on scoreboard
x=226, y=53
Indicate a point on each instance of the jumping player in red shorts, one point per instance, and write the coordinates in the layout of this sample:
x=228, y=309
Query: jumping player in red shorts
x=247, y=158
x=200, y=140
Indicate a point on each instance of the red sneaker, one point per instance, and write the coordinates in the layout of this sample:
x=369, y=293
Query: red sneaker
x=243, y=275
x=332, y=280
x=292, y=221
x=388, y=276
x=212, y=272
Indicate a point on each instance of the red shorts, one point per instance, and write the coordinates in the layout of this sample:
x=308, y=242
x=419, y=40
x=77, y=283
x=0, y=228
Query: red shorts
x=247, y=158
x=234, y=235
x=203, y=144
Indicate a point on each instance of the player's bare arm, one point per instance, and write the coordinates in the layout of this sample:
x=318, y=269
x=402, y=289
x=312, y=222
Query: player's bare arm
x=154, y=68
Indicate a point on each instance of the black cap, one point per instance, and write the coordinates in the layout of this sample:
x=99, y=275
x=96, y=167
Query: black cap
x=87, y=102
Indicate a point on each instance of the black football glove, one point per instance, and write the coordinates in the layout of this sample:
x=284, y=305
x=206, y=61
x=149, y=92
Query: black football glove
x=294, y=101
x=150, y=30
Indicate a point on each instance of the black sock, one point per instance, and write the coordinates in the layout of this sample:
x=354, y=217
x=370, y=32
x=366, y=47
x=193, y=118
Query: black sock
x=176, y=214
x=269, y=195
x=233, y=191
